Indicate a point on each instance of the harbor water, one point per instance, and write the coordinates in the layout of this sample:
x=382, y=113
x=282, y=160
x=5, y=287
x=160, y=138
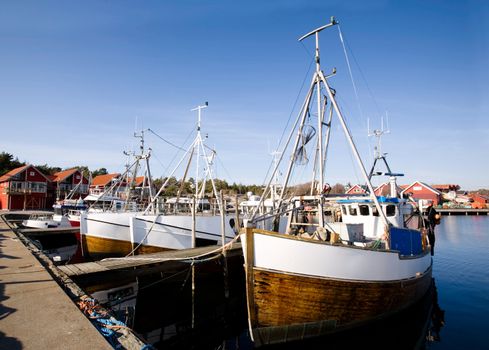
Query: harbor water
x=452, y=316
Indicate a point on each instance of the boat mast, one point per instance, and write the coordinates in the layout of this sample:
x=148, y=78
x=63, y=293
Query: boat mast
x=320, y=77
x=197, y=144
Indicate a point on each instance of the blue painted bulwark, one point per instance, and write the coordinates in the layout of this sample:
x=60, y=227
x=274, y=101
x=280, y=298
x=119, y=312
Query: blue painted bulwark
x=407, y=242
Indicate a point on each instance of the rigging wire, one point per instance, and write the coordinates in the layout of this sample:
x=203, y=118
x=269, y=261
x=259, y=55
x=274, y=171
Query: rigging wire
x=344, y=44
x=168, y=142
x=363, y=77
x=176, y=154
x=292, y=110
x=350, y=72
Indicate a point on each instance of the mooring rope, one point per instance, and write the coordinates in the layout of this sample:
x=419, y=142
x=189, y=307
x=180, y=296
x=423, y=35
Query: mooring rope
x=184, y=259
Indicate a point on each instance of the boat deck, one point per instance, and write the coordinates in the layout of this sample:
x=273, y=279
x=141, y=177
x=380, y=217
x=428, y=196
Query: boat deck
x=162, y=261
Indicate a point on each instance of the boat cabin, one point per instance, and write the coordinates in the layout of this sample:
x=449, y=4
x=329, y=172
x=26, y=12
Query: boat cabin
x=365, y=212
x=354, y=220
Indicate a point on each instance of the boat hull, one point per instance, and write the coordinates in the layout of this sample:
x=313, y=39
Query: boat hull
x=285, y=305
x=118, y=234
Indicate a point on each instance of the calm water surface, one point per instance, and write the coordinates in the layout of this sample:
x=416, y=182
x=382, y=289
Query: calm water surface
x=454, y=316
x=461, y=270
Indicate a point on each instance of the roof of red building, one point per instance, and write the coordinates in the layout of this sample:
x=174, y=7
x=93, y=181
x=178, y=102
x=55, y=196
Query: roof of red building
x=138, y=181
x=419, y=183
x=61, y=175
x=351, y=189
x=446, y=187
x=102, y=180
x=13, y=172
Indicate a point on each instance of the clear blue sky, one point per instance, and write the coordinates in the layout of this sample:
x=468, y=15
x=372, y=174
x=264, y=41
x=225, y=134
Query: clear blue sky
x=75, y=77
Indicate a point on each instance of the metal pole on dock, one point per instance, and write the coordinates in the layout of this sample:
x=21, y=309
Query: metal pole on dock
x=223, y=238
x=193, y=266
x=236, y=211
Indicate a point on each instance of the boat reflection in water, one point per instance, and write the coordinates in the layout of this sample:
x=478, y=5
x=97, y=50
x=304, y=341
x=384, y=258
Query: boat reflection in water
x=164, y=318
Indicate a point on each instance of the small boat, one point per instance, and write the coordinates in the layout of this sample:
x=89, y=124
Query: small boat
x=46, y=220
x=340, y=262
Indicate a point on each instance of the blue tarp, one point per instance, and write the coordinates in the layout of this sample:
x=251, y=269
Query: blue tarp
x=406, y=241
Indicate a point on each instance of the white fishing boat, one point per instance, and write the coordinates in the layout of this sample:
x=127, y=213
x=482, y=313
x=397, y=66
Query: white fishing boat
x=162, y=226
x=46, y=220
x=341, y=261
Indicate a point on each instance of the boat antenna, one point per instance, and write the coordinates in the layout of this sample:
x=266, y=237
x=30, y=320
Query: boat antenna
x=378, y=154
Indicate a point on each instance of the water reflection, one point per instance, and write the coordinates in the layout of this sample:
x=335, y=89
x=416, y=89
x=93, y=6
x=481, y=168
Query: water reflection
x=437, y=319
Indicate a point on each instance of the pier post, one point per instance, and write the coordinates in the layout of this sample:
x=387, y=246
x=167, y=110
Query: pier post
x=249, y=256
x=223, y=238
x=193, y=266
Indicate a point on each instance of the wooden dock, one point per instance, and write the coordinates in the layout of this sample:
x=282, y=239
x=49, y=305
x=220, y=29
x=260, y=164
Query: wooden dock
x=462, y=211
x=168, y=261
x=38, y=309
x=36, y=312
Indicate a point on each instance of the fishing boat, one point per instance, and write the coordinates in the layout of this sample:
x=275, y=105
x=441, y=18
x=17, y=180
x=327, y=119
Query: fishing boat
x=341, y=261
x=179, y=223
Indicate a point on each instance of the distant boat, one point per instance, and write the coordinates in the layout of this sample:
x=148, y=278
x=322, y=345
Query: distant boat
x=162, y=225
x=341, y=261
x=46, y=220
x=69, y=209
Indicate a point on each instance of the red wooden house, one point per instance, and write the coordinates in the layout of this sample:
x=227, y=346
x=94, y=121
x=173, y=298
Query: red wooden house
x=445, y=188
x=68, y=182
x=357, y=189
x=23, y=188
x=385, y=189
x=419, y=190
x=480, y=201
x=103, y=183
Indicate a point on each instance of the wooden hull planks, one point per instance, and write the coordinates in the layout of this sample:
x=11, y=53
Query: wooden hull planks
x=99, y=247
x=290, y=307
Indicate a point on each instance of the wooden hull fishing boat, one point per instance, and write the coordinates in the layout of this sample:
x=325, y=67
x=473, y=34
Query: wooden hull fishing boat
x=340, y=262
x=323, y=287
x=179, y=223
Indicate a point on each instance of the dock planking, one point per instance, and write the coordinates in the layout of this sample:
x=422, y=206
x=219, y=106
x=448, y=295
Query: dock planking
x=36, y=232
x=165, y=260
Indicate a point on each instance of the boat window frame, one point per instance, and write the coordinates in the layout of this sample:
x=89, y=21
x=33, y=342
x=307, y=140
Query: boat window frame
x=364, y=209
x=352, y=210
x=387, y=210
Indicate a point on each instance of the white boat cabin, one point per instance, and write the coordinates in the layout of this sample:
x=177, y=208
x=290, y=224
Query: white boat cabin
x=355, y=220
x=365, y=212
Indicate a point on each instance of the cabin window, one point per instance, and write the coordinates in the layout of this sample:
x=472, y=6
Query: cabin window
x=353, y=210
x=390, y=210
x=343, y=209
x=364, y=209
x=375, y=212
